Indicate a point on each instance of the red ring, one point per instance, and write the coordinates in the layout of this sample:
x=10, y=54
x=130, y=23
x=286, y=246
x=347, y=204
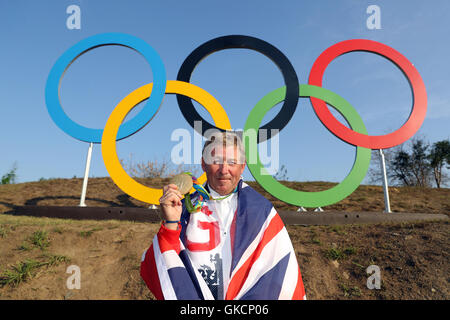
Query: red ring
x=397, y=137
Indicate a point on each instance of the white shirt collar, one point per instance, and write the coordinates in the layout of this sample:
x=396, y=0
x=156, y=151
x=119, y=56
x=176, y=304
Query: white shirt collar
x=213, y=193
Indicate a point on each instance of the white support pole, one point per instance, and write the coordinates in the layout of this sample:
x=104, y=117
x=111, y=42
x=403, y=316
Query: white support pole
x=385, y=183
x=86, y=175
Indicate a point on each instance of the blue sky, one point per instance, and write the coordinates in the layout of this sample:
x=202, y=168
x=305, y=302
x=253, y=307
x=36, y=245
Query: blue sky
x=34, y=35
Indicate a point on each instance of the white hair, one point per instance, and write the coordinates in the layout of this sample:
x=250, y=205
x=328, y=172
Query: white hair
x=216, y=139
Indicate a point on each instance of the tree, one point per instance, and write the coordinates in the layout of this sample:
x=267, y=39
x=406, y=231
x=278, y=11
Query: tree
x=402, y=168
x=412, y=168
x=10, y=177
x=438, y=156
x=157, y=168
x=420, y=165
x=374, y=174
x=414, y=164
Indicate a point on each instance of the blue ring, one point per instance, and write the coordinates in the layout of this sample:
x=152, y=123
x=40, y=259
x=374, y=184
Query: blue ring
x=62, y=64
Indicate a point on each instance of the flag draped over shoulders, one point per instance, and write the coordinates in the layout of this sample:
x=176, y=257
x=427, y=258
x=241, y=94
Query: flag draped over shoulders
x=261, y=263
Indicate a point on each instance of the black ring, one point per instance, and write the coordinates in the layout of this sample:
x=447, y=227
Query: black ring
x=239, y=41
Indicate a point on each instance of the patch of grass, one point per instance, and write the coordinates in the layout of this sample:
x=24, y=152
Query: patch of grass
x=40, y=239
x=54, y=259
x=3, y=232
x=14, y=221
x=25, y=270
x=350, y=291
x=358, y=265
x=24, y=247
x=18, y=273
x=349, y=251
x=338, y=254
x=314, y=237
x=88, y=233
x=338, y=229
x=334, y=254
x=58, y=230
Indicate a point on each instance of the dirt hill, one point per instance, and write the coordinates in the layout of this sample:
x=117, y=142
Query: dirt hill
x=35, y=252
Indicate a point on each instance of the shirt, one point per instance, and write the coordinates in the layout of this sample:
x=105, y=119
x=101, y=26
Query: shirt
x=208, y=241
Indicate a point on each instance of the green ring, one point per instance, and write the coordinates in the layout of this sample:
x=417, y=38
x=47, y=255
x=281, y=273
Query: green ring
x=302, y=198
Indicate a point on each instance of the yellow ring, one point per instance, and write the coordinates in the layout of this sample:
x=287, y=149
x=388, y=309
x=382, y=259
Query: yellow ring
x=109, y=152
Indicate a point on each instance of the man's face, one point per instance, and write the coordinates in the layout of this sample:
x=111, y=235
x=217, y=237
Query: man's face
x=224, y=170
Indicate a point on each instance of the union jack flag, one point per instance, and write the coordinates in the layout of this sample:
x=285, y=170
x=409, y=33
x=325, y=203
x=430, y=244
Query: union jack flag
x=262, y=262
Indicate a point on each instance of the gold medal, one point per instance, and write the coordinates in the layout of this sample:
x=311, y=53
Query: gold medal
x=183, y=181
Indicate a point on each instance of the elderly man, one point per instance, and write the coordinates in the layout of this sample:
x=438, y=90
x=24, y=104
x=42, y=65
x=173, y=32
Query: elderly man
x=227, y=242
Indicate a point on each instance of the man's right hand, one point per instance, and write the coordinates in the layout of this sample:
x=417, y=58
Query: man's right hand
x=171, y=206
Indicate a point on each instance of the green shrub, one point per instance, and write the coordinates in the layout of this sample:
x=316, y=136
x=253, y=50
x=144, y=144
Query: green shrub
x=9, y=177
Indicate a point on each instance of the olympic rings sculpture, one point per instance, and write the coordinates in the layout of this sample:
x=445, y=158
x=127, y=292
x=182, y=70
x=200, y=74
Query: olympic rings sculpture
x=289, y=94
